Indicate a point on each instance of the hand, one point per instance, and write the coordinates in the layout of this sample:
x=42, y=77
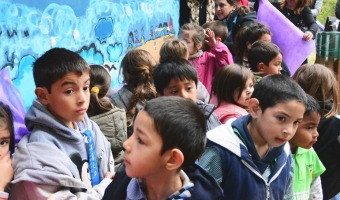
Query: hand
x=6, y=171
x=210, y=37
x=107, y=175
x=307, y=36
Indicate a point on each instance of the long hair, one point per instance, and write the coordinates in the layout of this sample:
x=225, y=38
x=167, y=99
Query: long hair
x=301, y=4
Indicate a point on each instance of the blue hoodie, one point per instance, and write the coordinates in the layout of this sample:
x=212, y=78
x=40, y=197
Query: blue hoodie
x=241, y=167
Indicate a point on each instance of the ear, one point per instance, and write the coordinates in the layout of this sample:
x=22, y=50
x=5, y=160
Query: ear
x=248, y=45
x=260, y=67
x=254, y=107
x=175, y=159
x=42, y=95
x=218, y=39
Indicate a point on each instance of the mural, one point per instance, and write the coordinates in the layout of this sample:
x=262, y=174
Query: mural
x=101, y=31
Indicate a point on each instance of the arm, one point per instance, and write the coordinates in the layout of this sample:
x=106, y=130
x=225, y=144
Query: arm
x=222, y=55
x=317, y=8
x=6, y=175
x=289, y=194
x=309, y=21
x=211, y=162
x=337, y=9
x=316, y=189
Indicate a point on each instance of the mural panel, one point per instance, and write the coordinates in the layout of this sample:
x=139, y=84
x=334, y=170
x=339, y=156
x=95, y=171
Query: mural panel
x=101, y=31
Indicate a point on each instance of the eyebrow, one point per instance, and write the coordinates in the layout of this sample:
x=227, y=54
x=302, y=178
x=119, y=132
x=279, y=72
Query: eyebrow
x=5, y=138
x=72, y=82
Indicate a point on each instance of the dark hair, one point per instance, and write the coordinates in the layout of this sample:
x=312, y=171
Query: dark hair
x=179, y=69
x=248, y=35
x=300, y=5
x=54, y=64
x=312, y=106
x=181, y=124
x=100, y=81
x=320, y=82
x=277, y=88
x=7, y=117
x=228, y=80
x=262, y=51
x=137, y=67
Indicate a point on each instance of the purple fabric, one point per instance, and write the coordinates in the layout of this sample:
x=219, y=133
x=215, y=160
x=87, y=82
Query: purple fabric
x=11, y=96
x=285, y=35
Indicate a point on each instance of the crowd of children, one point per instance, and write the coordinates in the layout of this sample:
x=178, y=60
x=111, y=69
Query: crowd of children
x=218, y=117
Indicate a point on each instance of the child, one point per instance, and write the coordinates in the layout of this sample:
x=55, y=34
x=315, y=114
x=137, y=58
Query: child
x=110, y=119
x=206, y=63
x=307, y=165
x=171, y=49
x=66, y=155
x=250, y=156
x=137, y=67
x=264, y=58
x=169, y=135
x=7, y=145
x=320, y=82
x=232, y=87
x=220, y=31
x=177, y=77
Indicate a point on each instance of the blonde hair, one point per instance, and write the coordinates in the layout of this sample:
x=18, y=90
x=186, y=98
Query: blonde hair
x=320, y=82
x=173, y=49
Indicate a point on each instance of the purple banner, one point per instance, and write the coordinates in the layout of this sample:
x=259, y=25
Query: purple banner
x=285, y=35
x=10, y=96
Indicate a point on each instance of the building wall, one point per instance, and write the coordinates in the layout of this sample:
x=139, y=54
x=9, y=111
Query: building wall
x=101, y=31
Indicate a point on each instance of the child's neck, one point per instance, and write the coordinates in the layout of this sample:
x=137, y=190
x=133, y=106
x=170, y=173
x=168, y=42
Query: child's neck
x=262, y=147
x=197, y=54
x=161, y=187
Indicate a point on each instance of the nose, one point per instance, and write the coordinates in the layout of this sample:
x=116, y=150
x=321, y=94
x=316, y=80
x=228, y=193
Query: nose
x=83, y=95
x=126, y=145
x=183, y=94
x=315, y=134
x=289, y=130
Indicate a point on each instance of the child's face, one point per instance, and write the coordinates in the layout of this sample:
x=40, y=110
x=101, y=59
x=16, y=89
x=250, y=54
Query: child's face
x=306, y=134
x=276, y=125
x=274, y=66
x=187, y=38
x=4, y=139
x=142, y=149
x=243, y=100
x=185, y=88
x=69, y=98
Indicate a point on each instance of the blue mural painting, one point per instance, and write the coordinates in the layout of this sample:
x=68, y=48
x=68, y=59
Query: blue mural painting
x=101, y=31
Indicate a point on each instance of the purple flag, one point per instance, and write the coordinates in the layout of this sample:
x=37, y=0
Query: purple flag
x=10, y=96
x=285, y=35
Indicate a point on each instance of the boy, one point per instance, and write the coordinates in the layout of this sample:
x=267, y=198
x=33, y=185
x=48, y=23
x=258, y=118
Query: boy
x=177, y=77
x=264, y=58
x=169, y=135
x=220, y=30
x=66, y=155
x=307, y=165
x=250, y=156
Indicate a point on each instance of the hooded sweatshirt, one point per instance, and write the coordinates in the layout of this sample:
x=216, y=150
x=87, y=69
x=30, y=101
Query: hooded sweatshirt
x=52, y=160
x=231, y=151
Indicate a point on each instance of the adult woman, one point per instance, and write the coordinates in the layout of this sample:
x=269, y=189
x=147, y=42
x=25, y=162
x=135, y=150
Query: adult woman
x=234, y=16
x=299, y=13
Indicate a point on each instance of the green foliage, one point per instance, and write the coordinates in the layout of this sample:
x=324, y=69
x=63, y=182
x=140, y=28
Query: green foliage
x=328, y=9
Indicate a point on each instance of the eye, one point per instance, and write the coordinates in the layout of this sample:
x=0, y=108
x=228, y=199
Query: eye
x=4, y=142
x=297, y=123
x=86, y=88
x=69, y=91
x=189, y=88
x=140, y=141
x=281, y=119
x=173, y=91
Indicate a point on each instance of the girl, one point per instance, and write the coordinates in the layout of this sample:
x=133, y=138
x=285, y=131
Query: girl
x=264, y=58
x=232, y=87
x=137, y=67
x=110, y=119
x=320, y=82
x=206, y=63
x=7, y=145
x=235, y=17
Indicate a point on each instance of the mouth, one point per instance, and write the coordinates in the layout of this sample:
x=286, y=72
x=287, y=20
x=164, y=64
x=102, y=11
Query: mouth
x=81, y=111
x=280, y=140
